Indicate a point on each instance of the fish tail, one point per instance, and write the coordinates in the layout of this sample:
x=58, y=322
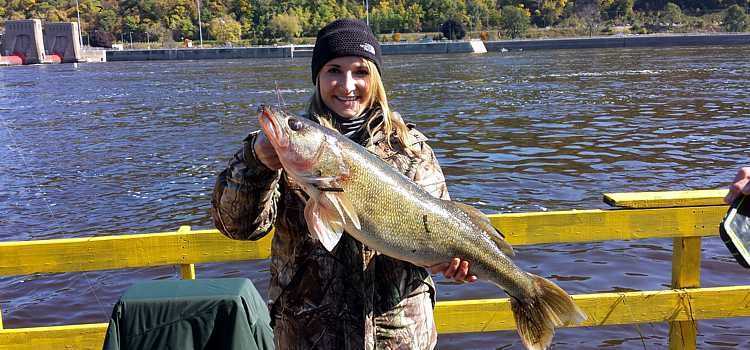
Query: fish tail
x=538, y=315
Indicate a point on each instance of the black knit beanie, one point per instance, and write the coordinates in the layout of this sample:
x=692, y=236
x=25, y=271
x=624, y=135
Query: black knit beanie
x=344, y=37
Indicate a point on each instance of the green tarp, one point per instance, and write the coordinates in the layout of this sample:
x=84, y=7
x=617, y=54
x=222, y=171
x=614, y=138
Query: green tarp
x=225, y=313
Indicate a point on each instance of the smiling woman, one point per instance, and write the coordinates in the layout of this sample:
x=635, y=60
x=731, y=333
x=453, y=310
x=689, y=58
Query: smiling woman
x=349, y=94
x=344, y=86
x=351, y=297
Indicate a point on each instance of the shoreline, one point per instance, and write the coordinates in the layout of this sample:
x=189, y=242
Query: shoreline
x=619, y=41
x=441, y=47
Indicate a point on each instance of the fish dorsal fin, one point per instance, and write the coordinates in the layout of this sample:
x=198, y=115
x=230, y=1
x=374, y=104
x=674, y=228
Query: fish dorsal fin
x=484, y=222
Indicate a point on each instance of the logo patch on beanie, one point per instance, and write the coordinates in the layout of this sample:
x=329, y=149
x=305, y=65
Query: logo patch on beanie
x=367, y=47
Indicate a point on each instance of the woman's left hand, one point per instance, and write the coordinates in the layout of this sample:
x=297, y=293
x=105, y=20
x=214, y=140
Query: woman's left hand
x=456, y=269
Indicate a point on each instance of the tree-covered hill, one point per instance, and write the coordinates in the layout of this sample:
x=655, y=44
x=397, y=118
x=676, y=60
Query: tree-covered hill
x=266, y=21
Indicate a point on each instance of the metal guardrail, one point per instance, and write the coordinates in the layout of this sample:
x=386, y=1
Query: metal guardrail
x=683, y=216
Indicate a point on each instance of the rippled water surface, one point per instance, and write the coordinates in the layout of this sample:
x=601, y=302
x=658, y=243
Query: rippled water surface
x=125, y=147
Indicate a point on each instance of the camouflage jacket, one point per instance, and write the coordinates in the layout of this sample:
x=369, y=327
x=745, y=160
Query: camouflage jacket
x=350, y=298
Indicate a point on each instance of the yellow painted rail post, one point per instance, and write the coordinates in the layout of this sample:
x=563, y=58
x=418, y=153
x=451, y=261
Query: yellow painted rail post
x=686, y=258
x=686, y=264
x=1, y=318
x=187, y=271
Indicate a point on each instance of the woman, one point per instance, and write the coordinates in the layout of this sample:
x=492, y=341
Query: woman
x=352, y=297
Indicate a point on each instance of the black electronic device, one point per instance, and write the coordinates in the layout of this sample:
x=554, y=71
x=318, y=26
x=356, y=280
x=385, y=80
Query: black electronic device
x=735, y=230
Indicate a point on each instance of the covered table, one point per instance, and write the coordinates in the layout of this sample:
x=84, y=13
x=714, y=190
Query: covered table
x=225, y=313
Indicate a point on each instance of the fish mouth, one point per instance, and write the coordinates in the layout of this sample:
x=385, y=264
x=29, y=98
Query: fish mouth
x=272, y=124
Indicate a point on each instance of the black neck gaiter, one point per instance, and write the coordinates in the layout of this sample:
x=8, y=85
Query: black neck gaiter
x=356, y=128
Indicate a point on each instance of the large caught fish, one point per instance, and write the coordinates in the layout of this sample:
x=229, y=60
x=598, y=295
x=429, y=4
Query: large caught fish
x=354, y=191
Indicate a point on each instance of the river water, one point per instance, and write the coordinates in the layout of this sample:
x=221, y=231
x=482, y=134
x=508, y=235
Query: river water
x=134, y=147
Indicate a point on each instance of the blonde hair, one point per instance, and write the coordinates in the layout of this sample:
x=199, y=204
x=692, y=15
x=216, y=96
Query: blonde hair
x=390, y=125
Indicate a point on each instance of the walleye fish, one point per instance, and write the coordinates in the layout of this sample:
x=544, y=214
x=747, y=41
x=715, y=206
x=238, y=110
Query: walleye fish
x=351, y=190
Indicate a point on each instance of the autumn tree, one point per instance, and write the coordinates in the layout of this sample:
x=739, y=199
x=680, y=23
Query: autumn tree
x=285, y=26
x=551, y=10
x=224, y=29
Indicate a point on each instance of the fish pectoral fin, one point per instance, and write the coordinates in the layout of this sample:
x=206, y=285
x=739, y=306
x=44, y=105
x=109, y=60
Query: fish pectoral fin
x=349, y=212
x=343, y=207
x=484, y=222
x=323, y=224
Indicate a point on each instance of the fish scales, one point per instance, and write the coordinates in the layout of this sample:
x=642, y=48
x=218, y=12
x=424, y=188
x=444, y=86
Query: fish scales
x=400, y=219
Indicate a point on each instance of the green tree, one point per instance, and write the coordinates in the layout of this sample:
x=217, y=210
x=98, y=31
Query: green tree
x=438, y=11
x=413, y=16
x=304, y=16
x=551, y=10
x=132, y=28
x=479, y=13
x=108, y=20
x=255, y=22
x=590, y=14
x=514, y=21
x=620, y=9
x=179, y=18
x=58, y=15
x=672, y=14
x=285, y=26
x=325, y=11
x=735, y=19
x=243, y=11
x=388, y=17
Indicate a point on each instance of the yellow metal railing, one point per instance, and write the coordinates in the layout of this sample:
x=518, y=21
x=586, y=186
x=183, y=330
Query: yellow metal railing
x=684, y=217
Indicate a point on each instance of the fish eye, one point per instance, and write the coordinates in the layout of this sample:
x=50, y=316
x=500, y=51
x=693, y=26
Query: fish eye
x=295, y=124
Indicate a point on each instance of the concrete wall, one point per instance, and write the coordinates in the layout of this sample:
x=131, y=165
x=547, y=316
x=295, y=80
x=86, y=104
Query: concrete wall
x=93, y=56
x=439, y=47
x=61, y=38
x=24, y=38
x=282, y=51
x=199, y=54
x=621, y=41
x=428, y=48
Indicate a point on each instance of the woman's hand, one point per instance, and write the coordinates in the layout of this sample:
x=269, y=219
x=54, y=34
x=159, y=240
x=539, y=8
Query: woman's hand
x=741, y=185
x=265, y=153
x=456, y=269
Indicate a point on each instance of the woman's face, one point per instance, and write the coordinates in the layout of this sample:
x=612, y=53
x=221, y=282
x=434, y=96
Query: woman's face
x=344, y=84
